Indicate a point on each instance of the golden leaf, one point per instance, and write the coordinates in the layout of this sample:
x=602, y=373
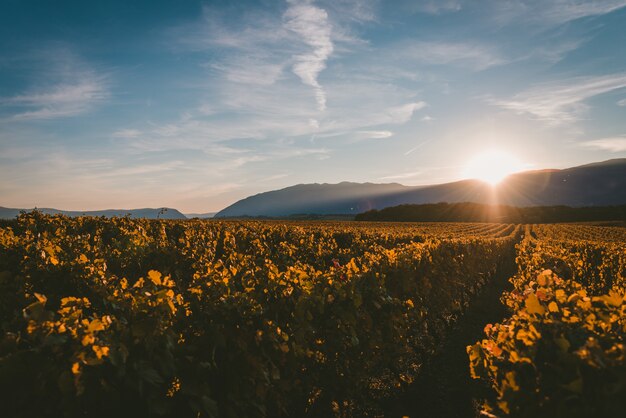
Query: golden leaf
x=510, y=380
x=101, y=351
x=533, y=306
x=155, y=277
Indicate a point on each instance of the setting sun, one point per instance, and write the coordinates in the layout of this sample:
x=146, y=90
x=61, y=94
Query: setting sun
x=492, y=166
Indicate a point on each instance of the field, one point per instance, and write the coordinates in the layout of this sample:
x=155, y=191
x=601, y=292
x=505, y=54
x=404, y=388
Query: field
x=105, y=317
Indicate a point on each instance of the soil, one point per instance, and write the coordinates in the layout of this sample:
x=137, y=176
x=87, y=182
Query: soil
x=444, y=388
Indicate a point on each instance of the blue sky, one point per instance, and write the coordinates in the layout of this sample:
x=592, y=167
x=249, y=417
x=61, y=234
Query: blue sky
x=194, y=105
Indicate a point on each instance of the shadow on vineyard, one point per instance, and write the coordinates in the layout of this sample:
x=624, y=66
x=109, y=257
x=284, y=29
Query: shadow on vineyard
x=262, y=319
x=444, y=388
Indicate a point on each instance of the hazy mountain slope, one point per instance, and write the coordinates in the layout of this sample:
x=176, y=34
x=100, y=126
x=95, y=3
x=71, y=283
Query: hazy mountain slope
x=207, y=215
x=342, y=198
x=149, y=213
x=594, y=184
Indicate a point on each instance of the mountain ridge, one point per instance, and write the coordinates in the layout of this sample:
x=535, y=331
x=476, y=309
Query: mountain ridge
x=595, y=184
x=148, y=213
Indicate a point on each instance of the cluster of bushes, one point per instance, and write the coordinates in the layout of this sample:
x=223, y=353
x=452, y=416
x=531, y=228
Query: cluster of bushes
x=477, y=212
x=105, y=317
x=562, y=352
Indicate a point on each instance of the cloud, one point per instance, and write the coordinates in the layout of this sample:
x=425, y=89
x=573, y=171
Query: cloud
x=402, y=114
x=418, y=146
x=250, y=70
x=562, y=101
x=63, y=100
x=127, y=133
x=359, y=11
x=562, y=11
x=477, y=56
x=312, y=25
x=612, y=144
x=256, y=47
x=255, y=98
x=622, y=102
x=401, y=176
x=376, y=134
x=541, y=14
x=70, y=88
x=434, y=6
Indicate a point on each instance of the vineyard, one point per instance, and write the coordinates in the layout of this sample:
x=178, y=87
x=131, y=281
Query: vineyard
x=132, y=317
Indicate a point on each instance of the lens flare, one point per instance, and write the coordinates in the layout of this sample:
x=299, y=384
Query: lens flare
x=492, y=166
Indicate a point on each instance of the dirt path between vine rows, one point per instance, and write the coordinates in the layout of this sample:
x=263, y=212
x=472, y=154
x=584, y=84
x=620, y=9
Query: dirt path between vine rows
x=444, y=388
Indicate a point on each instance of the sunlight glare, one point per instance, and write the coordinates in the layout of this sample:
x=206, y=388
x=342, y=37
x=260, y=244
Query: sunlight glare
x=492, y=166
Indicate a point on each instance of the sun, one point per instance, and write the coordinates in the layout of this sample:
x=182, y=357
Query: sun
x=492, y=166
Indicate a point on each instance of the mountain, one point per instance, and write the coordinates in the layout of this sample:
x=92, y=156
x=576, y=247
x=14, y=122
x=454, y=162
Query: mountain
x=342, y=198
x=149, y=213
x=597, y=184
x=200, y=215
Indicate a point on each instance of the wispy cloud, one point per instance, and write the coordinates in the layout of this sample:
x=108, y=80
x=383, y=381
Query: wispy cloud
x=434, y=6
x=475, y=55
x=250, y=69
x=563, y=101
x=262, y=100
x=402, y=114
x=401, y=176
x=127, y=133
x=418, y=146
x=69, y=88
x=257, y=48
x=540, y=14
x=312, y=25
x=561, y=11
x=376, y=134
x=622, y=102
x=611, y=144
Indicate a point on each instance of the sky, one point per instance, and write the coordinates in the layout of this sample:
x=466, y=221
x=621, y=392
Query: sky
x=197, y=104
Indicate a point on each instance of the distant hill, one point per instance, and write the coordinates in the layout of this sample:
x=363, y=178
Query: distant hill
x=319, y=199
x=597, y=184
x=200, y=215
x=148, y=213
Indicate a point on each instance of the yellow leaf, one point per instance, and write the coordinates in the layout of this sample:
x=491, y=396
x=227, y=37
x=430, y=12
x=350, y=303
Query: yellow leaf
x=544, y=278
x=504, y=406
x=76, y=368
x=88, y=339
x=53, y=260
x=613, y=298
x=95, y=325
x=155, y=277
x=553, y=307
x=409, y=302
x=101, y=351
x=83, y=258
x=510, y=380
x=533, y=306
x=573, y=298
